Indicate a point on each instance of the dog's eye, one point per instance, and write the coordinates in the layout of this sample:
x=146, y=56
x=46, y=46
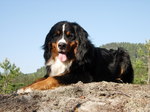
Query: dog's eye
x=57, y=33
x=69, y=35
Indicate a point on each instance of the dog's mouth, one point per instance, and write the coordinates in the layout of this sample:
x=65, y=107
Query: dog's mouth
x=62, y=56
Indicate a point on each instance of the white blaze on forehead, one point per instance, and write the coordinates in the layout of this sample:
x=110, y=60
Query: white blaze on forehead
x=63, y=33
x=63, y=28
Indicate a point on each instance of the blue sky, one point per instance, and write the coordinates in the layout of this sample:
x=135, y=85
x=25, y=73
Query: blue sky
x=25, y=23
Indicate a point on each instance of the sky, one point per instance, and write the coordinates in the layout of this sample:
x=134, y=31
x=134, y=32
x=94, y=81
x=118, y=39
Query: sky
x=24, y=25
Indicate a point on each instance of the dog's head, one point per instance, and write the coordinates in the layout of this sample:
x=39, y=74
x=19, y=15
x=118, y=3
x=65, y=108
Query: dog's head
x=66, y=41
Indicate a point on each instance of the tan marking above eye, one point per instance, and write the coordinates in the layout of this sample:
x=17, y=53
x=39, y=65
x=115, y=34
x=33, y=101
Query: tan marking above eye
x=68, y=33
x=57, y=32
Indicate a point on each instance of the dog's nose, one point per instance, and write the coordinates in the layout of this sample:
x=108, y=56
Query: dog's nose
x=62, y=45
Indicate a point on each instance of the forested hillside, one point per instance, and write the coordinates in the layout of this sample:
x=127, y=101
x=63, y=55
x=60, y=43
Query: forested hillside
x=12, y=78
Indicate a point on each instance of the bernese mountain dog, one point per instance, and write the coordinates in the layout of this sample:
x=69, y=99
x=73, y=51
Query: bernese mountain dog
x=71, y=57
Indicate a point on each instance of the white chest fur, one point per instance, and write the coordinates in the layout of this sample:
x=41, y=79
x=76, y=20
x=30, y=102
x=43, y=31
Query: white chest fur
x=58, y=67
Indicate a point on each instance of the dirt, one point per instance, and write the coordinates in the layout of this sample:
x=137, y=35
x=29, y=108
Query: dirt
x=90, y=97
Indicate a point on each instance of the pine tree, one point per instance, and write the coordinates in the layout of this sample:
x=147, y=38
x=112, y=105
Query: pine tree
x=10, y=71
x=148, y=59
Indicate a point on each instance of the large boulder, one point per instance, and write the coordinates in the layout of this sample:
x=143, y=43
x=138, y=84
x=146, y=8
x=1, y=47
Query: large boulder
x=90, y=97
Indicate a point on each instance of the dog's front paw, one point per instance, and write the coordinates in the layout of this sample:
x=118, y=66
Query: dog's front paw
x=24, y=90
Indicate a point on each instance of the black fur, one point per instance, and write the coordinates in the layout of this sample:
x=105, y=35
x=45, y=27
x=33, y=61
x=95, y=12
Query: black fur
x=90, y=63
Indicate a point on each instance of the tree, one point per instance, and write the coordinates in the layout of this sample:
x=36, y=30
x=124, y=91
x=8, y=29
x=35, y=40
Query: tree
x=148, y=59
x=10, y=71
x=140, y=67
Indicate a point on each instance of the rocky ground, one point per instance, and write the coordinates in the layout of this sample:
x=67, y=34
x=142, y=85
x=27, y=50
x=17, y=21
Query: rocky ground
x=91, y=97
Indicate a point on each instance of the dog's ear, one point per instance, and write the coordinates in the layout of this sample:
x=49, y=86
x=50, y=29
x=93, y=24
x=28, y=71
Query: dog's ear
x=83, y=42
x=47, y=47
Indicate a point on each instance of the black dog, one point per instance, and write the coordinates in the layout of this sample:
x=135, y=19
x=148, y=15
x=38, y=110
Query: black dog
x=71, y=57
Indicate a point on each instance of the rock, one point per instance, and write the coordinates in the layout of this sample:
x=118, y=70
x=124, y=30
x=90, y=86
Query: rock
x=89, y=97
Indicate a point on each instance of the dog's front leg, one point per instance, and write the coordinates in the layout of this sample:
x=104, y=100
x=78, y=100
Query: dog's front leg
x=48, y=83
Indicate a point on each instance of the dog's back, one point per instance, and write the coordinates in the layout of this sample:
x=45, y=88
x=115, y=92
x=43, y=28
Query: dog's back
x=112, y=65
